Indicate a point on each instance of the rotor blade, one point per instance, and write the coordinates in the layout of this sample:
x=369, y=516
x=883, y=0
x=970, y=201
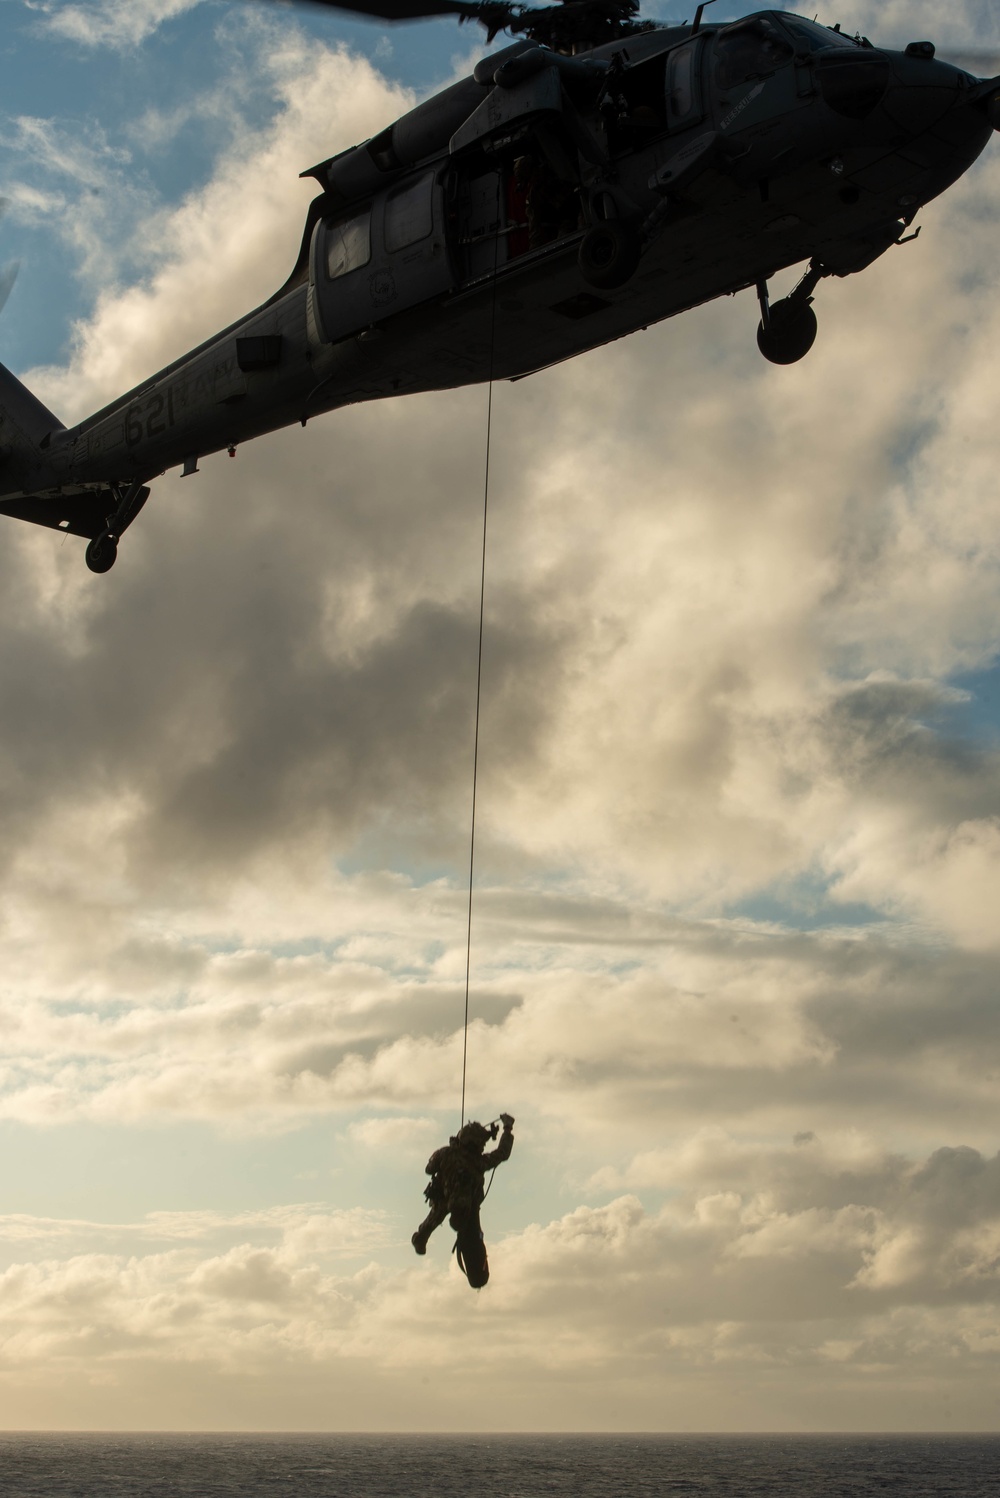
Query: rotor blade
x=7, y=278
x=403, y=10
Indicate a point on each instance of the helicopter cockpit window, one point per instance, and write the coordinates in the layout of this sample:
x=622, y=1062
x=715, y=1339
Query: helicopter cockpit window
x=681, y=83
x=750, y=49
x=816, y=37
x=409, y=213
x=349, y=244
x=853, y=85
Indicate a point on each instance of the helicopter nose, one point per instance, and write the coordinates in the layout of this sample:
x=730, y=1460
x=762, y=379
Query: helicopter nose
x=931, y=116
x=913, y=89
x=921, y=89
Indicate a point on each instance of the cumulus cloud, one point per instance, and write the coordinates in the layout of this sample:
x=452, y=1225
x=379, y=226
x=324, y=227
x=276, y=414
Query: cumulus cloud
x=594, y=1014
x=743, y=1276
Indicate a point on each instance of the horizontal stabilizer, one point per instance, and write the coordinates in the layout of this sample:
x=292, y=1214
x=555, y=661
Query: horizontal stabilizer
x=82, y=514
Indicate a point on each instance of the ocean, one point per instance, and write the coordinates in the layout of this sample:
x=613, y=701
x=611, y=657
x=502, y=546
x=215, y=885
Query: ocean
x=376, y=1466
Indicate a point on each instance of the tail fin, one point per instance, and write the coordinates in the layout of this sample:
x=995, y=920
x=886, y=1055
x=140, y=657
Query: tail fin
x=25, y=427
x=30, y=487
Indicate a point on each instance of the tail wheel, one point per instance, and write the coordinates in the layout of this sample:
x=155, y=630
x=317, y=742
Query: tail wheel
x=609, y=253
x=102, y=552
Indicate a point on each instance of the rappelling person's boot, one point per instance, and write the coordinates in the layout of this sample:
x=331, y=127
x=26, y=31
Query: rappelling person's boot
x=433, y=1220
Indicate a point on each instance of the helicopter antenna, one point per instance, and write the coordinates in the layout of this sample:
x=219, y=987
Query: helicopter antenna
x=698, y=15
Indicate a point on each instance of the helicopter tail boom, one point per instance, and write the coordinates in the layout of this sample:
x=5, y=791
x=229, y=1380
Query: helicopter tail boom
x=32, y=480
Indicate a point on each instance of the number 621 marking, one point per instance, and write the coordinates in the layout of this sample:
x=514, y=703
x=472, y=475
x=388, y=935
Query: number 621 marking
x=154, y=425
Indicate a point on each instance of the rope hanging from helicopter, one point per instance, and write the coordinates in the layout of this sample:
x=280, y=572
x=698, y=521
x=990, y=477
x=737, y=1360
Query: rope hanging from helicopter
x=479, y=657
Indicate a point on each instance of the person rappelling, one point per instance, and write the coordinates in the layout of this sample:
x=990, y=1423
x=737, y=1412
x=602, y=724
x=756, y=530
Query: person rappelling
x=457, y=1173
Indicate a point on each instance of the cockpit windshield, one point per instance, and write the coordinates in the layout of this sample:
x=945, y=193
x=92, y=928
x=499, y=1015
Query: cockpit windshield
x=749, y=49
x=815, y=36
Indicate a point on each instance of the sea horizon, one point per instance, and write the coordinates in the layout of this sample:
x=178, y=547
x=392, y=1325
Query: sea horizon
x=497, y=1464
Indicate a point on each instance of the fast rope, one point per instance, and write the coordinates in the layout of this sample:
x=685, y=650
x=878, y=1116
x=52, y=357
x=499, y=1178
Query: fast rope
x=479, y=659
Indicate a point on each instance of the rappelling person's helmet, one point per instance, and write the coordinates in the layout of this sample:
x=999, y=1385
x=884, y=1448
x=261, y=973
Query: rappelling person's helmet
x=472, y=1136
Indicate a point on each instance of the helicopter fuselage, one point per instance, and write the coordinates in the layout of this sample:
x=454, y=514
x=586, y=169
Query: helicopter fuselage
x=545, y=207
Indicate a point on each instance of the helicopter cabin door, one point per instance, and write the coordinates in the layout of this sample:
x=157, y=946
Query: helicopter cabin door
x=380, y=257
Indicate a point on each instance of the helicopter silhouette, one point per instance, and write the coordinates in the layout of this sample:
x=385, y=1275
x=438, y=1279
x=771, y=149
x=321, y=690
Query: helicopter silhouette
x=599, y=174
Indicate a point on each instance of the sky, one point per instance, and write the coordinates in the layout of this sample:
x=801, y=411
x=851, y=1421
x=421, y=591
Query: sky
x=735, y=953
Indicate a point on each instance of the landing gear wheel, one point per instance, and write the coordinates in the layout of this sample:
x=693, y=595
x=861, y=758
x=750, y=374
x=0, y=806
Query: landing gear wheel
x=792, y=332
x=609, y=254
x=102, y=552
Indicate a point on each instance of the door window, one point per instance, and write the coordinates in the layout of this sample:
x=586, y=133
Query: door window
x=409, y=213
x=348, y=244
x=681, y=98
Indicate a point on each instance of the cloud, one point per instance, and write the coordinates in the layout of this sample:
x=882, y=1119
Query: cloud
x=121, y=24
x=80, y=186
x=744, y=1278
x=394, y=1136
x=308, y=1227
x=594, y=1015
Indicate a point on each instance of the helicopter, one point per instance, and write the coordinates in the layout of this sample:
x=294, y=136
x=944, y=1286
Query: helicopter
x=597, y=175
